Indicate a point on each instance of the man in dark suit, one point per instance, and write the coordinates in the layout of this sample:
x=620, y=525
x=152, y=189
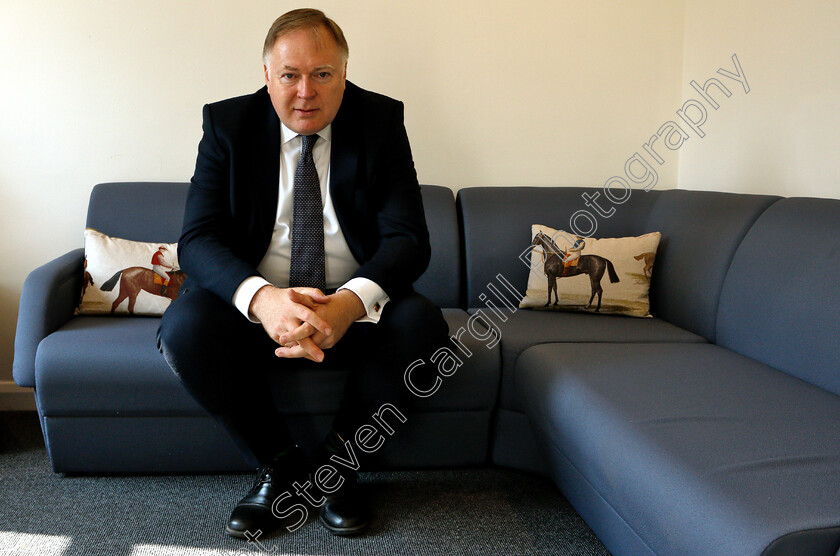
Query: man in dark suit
x=303, y=233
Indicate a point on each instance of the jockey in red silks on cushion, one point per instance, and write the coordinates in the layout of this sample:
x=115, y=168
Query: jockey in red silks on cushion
x=159, y=265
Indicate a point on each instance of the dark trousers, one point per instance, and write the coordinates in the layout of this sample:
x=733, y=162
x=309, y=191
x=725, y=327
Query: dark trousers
x=224, y=361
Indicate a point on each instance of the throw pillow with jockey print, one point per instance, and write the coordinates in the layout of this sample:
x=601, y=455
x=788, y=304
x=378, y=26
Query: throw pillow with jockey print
x=126, y=277
x=607, y=275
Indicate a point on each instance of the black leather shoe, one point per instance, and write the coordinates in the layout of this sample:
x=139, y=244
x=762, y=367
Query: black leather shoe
x=346, y=512
x=253, y=512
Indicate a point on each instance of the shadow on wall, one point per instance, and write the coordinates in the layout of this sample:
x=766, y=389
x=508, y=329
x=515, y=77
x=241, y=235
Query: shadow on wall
x=9, y=302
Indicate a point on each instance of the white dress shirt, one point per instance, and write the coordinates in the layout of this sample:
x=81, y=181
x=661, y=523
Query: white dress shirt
x=340, y=263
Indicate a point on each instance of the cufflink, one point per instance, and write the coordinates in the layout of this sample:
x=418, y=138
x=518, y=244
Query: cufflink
x=376, y=307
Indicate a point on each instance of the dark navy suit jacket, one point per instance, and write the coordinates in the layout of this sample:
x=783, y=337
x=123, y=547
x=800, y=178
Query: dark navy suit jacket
x=232, y=202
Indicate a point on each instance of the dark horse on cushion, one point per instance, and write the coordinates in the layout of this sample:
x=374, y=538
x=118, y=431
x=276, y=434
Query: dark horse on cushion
x=592, y=265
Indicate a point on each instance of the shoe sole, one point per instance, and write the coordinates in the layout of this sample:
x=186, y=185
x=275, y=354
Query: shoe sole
x=343, y=531
x=235, y=533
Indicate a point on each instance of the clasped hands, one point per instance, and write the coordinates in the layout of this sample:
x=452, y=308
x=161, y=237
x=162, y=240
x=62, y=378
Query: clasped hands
x=305, y=321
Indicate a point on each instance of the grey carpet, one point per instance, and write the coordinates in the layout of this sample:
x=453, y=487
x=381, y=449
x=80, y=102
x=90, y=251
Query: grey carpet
x=468, y=511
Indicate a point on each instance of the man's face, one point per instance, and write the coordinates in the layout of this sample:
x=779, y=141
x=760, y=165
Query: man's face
x=305, y=75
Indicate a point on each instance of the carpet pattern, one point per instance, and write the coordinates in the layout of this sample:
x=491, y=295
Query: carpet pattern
x=478, y=512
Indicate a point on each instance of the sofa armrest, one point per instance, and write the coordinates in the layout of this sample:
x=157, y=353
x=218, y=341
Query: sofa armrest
x=49, y=298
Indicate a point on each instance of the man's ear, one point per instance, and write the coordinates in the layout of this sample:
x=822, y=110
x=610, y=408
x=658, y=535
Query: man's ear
x=265, y=70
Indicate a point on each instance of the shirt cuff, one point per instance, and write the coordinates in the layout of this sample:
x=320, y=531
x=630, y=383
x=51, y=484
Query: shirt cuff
x=373, y=297
x=245, y=293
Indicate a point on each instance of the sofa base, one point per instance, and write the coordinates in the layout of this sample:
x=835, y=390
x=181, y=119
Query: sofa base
x=514, y=444
x=140, y=445
x=197, y=444
x=610, y=527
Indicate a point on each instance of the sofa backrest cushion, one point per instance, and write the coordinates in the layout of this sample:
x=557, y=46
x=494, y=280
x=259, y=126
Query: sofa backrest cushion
x=780, y=299
x=700, y=232
x=496, y=227
x=150, y=212
x=138, y=211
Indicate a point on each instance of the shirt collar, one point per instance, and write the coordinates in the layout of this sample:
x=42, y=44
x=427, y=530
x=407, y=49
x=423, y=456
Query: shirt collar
x=287, y=134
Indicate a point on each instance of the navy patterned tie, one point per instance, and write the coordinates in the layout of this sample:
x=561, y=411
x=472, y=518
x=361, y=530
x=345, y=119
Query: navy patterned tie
x=307, y=266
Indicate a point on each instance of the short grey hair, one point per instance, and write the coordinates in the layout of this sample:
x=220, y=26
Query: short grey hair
x=304, y=18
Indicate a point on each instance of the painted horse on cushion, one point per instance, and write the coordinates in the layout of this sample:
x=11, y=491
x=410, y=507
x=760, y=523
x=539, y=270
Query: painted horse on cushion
x=592, y=265
x=135, y=279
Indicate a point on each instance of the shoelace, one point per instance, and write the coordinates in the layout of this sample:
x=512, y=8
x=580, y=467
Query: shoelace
x=264, y=476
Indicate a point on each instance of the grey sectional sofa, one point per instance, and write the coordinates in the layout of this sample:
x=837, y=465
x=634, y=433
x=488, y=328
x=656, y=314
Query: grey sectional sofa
x=712, y=428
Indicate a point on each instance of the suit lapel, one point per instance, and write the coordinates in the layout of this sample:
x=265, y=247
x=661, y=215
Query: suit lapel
x=267, y=168
x=344, y=159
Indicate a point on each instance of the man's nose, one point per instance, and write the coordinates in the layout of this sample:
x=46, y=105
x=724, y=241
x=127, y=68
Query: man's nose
x=305, y=88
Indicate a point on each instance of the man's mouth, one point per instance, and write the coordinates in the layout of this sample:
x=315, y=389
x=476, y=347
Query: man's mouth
x=306, y=111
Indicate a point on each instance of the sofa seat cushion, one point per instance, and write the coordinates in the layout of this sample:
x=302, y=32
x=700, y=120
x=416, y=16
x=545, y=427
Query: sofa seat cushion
x=526, y=328
x=696, y=448
x=110, y=366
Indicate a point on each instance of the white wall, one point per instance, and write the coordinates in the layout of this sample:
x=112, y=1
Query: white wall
x=542, y=92
x=783, y=137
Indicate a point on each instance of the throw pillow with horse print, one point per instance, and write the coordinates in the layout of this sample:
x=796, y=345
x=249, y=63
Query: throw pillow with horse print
x=126, y=277
x=606, y=275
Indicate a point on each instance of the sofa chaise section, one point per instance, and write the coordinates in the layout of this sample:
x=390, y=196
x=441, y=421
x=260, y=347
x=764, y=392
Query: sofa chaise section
x=711, y=449
x=684, y=449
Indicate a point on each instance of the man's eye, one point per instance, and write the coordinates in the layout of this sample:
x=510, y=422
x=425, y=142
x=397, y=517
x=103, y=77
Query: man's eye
x=324, y=74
